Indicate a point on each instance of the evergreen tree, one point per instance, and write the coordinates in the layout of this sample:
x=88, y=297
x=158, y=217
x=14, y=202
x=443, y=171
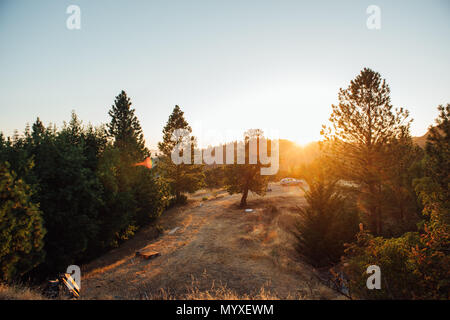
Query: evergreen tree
x=432, y=256
x=328, y=222
x=363, y=124
x=133, y=195
x=416, y=264
x=438, y=158
x=176, y=121
x=180, y=177
x=124, y=127
x=401, y=207
x=214, y=177
x=68, y=192
x=21, y=227
x=116, y=215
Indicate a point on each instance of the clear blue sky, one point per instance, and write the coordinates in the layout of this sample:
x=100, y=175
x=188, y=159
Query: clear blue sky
x=230, y=65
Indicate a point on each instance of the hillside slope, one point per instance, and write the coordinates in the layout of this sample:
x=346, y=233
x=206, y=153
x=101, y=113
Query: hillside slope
x=218, y=251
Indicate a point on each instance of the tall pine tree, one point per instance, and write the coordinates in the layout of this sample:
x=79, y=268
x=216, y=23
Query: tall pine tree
x=124, y=127
x=363, y=124
x=180, y=177
x=136, y=196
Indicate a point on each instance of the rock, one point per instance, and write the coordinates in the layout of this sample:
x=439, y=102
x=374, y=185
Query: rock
x=148, y=254
x=173, y=230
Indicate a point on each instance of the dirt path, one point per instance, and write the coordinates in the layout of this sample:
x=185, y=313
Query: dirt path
x=216, y=246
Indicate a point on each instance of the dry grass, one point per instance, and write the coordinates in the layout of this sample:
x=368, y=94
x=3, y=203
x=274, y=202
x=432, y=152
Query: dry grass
x=19, y=292
x=219, y=291
x=219, y=251
x=245, y=255
x=215, y=292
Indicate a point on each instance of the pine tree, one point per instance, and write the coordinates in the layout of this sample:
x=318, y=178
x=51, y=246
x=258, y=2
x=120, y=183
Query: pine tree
x=362, y=125
x=431, y=256
x=327, y=223
x=136, y=195
x=21, y=227
x=176, y=121
x=400, y=205
x=180, y=177
x=438, y=156
x=124, y=127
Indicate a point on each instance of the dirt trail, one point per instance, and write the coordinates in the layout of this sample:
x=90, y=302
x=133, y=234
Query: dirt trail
x=216, y=244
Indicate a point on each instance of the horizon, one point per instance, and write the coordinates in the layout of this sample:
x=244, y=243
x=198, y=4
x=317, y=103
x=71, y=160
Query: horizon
x=230, y=66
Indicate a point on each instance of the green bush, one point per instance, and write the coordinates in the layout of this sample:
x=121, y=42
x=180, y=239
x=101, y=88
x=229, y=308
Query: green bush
x=152, y=195
x=174, y=201
x=391, y=255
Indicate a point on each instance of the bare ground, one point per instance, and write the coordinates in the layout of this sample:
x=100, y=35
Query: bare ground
x=218, y=251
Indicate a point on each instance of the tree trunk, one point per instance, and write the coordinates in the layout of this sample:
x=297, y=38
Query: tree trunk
x=379, y=222
x=244, y=198
x=372, y=209
x=379, y=212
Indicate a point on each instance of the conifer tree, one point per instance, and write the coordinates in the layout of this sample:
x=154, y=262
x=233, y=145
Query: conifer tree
x=139, y=196
x=362, y=125
x=68, y=192
x=180, y=177
x=21, y=225
x=126, y=130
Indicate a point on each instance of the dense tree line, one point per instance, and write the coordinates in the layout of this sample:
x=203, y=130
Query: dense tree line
x=70, y=194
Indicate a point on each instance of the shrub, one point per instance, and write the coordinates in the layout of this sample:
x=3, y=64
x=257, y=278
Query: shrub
x=151, y=195
x=326, y=224
x=415, y=265
x=181, y=200
x=391, y=255
x=19, y=292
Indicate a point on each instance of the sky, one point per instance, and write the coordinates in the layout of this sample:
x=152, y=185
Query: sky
x=230, y=65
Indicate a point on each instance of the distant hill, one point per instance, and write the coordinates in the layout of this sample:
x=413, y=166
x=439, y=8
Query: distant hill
x=421, y=141
x=294, y=157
